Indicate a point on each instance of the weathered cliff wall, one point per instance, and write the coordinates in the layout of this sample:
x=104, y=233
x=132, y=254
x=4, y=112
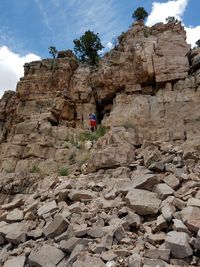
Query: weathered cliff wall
x=143, y=84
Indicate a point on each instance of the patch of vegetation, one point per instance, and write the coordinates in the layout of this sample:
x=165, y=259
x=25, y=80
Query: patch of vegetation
x=35, y=169
x=53, y=51
x=146, y=33
x=63, y=171
x=93, y=136
x=198, y=43
x=171, y=20
x=140, y=14
x=87, y=47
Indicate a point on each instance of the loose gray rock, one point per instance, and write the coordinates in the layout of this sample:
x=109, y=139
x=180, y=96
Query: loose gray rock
x=15, y=262
x=45, y=256
x=143, y=202
x=178, y=243
x=56, y=227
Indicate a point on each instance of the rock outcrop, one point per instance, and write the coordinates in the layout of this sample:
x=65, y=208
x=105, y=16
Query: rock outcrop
x=130, y=198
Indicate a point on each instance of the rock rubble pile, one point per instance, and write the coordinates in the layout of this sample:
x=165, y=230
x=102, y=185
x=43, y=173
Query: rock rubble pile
x=144, y=213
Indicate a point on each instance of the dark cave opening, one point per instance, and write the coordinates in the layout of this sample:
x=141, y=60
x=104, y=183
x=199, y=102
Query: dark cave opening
x=104, y=106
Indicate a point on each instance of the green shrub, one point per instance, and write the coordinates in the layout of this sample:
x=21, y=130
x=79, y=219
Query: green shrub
x=64, y=171
x=93, y=136
x=146, y=33
x=34, y=169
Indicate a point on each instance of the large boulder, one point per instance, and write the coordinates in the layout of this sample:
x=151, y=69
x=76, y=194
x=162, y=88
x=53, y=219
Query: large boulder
x=143, y=202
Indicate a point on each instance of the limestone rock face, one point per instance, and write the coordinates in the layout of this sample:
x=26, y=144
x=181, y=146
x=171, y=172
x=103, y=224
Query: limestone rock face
x=143, y=86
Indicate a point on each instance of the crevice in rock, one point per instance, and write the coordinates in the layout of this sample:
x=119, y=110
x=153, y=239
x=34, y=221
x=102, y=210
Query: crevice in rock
x=104, y=106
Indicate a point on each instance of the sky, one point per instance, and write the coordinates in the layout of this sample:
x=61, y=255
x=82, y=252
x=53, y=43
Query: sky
x=29, y=27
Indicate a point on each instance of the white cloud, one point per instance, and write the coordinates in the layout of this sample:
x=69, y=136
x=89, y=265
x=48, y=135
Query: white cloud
x=160, y=11
x=173, y=8
x=11, y=68
x=193, y=34
x=109, y=45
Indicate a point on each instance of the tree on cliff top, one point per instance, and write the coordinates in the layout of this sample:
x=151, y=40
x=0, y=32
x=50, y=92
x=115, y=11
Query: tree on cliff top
x=198, y=43
x=53, y=51
x=171, y=20
x=140, y=14
x=87, y=47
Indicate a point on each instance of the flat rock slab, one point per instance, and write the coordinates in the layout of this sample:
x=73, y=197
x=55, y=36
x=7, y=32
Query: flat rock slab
x=143, y=202
x=145, y=181
x=15, y=215
x=89, y=262
x=14, y=233
x=13, y=204
x=46, y=256
x=78, y=195
x=15, y=262
x=163, y=190
x=48, y=207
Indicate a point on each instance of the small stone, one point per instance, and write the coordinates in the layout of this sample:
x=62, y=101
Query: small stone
x=135, y=260
x=157, y=166
x=108, y=256
x=15, y=262
x=178, y=203
x=163, y=190
x=178, y=243
x=69, y=245
x=15, y=215
x=161, y=223
x=96, y=232
x=77, y=195
x=48, y=207
x=163, y=254
x=142, y=202
x=179, y=226
x=45, y=256
x=195, y=202
x=56, y=227
x=89, y=261
x=172, y=181
x=14, y=204
x=167, y=211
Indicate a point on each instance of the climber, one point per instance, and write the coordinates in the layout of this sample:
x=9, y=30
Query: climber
x=93, y=122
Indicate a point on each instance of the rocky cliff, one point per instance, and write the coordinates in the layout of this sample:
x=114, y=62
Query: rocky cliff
x=132, y=196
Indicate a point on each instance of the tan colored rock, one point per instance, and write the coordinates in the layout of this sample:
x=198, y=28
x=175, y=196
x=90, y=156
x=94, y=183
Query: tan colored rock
x=151, y=155
x=178, y=243
x=163, y=190
x=15, y=215
x=48, y=207
x=191, y=217
x=56, y=227
x=79, y=195
x=146, y=181
x=110, y=157
x=172, y=181
x=13, y=204
x=89, y=261
x=46, y=256
x=142, y=202
x=15, y=262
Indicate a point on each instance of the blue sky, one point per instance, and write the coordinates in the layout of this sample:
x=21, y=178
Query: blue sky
x=29, y=27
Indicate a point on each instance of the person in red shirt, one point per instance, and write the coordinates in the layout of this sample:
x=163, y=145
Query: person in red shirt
x=93, y=122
